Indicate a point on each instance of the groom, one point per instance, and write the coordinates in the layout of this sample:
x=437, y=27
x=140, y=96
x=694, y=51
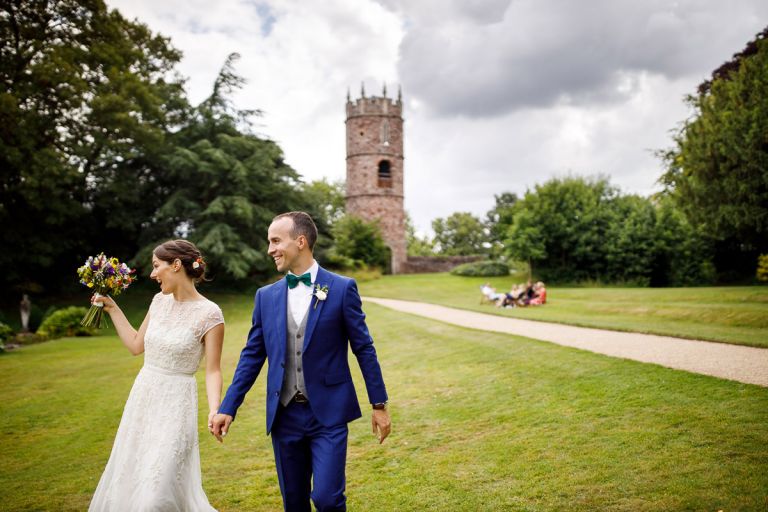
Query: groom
x=303, y=324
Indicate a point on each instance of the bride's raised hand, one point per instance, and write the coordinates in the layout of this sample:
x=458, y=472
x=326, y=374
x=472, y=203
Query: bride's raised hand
x=108, y=302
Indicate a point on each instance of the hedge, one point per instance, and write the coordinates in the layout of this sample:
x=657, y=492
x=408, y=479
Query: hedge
x=482, y=268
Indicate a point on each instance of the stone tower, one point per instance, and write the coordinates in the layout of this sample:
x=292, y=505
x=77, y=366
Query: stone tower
x=375, y=167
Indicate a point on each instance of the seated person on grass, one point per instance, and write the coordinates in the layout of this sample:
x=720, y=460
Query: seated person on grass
x=540, y=295
x=489, y=294
x=511, y=299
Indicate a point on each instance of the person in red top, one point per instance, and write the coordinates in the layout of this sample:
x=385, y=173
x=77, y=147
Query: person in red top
x=540, y=296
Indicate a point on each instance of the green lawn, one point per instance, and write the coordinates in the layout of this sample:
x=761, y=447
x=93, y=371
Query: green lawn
x=729, y=314
x=481, y=422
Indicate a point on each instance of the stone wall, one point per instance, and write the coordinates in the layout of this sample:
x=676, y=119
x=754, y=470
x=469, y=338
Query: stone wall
x=432, y=264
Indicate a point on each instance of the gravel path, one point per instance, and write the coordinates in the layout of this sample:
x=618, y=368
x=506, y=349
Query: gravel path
x=733, y=362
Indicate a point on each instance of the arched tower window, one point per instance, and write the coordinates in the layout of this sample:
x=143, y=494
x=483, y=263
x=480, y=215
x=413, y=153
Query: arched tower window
x=385, y=174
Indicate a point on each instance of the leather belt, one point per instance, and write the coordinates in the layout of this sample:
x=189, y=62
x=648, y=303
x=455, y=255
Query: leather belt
x=299, y=398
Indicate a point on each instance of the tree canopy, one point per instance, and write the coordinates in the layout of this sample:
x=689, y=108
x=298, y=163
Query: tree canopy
x=101, y=151
x=460, y=234
x=583, y=229
x=85, y=109
x=226, y=186
x=358, y=243
x=717, y=172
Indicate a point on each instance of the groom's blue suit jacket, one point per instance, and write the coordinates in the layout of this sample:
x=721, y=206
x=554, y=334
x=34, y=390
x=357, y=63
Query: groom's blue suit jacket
x=333, y=325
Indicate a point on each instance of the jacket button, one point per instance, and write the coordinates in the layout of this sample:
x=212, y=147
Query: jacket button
x=298, y=336
x=277, y=393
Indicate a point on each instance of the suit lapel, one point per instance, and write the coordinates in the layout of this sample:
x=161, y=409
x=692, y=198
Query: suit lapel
x=280, y=305
x=323, y=279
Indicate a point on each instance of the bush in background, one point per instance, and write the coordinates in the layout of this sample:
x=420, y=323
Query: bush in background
x=482, y=268
x=5, y=333
x=65, y=322
x=363, y=274
x=762, y=267
x=357, y=244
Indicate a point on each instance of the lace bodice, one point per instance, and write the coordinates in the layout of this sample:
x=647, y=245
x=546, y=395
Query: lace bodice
x=173, y=340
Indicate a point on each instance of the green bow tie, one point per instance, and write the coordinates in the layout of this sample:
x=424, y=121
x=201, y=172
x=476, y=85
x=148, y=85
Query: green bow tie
x=294, y=280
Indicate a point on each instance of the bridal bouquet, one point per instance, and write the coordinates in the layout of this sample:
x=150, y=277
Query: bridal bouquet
x=105, y=276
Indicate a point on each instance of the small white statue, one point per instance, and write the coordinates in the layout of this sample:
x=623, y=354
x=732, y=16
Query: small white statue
x=25, y=308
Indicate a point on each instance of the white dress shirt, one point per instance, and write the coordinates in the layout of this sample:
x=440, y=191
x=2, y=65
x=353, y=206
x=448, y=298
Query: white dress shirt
x=299, y=298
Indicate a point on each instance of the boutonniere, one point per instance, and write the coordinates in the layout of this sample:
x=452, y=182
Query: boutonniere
x=320, y=293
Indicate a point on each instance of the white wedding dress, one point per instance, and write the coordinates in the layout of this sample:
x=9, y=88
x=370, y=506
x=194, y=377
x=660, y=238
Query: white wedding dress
x=155, y=461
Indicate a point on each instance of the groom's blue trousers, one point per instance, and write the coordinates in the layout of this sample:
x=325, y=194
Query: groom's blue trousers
x=307, y=453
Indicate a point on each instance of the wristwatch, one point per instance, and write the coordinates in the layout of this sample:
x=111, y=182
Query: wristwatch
x=380, y=406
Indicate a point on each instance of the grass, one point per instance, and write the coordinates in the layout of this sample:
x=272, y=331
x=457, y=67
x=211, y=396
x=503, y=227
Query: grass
x=736, y=315
x=481, y=422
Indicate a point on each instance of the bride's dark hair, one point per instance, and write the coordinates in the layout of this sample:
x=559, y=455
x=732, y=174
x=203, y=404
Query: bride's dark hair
x=185, y=251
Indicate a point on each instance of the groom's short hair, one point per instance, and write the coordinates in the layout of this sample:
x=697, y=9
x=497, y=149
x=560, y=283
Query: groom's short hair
x=302, y=225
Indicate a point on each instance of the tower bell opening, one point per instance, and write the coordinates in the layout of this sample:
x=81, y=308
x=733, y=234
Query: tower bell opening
x=385, y=174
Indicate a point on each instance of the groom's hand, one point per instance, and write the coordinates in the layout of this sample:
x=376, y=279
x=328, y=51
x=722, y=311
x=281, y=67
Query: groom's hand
x=220, y=426
x=381, y=424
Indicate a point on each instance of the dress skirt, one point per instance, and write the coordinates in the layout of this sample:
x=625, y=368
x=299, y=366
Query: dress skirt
x=155, y=460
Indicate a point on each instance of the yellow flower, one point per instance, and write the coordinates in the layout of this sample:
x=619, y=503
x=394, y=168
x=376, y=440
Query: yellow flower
x=90, y=285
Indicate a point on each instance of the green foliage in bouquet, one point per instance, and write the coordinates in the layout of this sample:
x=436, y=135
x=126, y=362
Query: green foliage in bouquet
x=482, y=268
x=65, y=322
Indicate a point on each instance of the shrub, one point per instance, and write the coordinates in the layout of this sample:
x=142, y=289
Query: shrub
x=482, y=268
x=5, y=333
x=360, y=242
x=65, y=322
x=364, y=274
x=762, y=267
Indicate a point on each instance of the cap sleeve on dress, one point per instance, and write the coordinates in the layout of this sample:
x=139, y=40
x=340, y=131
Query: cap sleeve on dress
x=213, y=317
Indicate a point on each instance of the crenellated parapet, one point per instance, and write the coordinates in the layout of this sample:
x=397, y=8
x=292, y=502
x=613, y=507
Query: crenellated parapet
x=375, y=105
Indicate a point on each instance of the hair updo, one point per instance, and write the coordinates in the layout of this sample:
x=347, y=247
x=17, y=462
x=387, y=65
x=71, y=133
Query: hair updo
x=187, y=253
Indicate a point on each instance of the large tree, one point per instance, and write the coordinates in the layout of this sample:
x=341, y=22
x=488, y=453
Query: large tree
x=86, y=104
x=718, y=170
x=358, y=243
x=571, y=216
x=325, y=201
x=460, y=234
x=224, y=186
x=417, y=245
x=499, y=219
x=577, y=229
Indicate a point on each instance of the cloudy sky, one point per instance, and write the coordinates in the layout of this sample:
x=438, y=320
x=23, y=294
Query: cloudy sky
x=499, y=94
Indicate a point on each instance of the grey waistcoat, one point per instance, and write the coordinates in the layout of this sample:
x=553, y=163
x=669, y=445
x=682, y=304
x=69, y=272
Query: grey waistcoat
x=293, y=379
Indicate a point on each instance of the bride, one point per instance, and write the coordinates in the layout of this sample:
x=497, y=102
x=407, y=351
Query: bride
x=155, y=461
